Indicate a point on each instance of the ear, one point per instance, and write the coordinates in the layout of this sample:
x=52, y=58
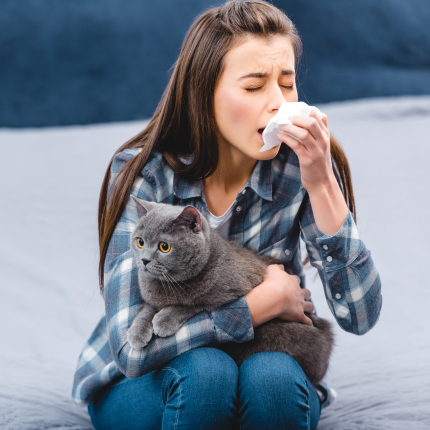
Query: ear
x=190, y=218
x=142, y=206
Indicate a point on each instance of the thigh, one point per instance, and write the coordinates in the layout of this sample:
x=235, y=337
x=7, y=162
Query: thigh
x=131, y=404
x=195, y=390
x=274, y=393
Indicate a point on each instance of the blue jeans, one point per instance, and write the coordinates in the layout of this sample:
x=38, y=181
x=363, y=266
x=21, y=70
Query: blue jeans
x=203, y=389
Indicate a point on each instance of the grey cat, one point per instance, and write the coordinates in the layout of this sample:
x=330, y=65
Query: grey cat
x=185, y=267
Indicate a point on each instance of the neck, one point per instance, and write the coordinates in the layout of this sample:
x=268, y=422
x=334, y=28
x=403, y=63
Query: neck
x=233, y=171
x=231, y=175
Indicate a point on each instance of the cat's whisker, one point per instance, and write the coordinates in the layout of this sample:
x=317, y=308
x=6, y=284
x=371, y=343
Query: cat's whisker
x=171, y=286
x=167, y=284
x=185, y=292
x=165, y=292
x=174, y=280
x=182, y=282
x=188, y=304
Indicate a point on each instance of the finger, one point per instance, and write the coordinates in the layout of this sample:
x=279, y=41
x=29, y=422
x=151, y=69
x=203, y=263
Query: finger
x=281, y=266
x=323, y=123
x=306, y=294
x=324, y=120
x=306, y=320
x=275, y=267
x=309, y=308
x=300, y=149
x=299, y=129
x=313, y=126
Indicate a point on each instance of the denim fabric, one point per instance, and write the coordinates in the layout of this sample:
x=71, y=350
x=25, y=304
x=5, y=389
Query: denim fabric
x=203, y=389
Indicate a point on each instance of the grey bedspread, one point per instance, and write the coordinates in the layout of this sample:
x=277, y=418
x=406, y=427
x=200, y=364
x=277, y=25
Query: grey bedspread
x=49, y=184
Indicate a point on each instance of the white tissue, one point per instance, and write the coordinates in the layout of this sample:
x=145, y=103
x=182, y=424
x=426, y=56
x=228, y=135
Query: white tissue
x=283, y=116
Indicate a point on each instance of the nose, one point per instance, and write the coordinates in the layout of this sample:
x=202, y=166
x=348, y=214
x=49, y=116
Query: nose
x=145, y=261
x=276, y=99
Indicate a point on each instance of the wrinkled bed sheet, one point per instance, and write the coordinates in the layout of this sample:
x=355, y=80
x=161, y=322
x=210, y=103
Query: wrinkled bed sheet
x=49, y=184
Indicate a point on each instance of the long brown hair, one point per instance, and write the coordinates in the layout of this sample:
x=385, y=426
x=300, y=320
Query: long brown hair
x=184, y=121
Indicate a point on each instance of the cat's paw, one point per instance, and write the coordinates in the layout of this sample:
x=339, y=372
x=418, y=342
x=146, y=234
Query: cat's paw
x=165, y=322
x=138, y=338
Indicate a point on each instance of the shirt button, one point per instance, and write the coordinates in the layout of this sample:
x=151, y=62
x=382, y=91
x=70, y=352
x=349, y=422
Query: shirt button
x=239, y=208
x=325, y=247
x=287, y=252
x=243, y=192
x=338, y=296
x=329, y=258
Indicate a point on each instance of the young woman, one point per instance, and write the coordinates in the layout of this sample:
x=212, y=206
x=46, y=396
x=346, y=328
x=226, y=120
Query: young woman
x=236, y=67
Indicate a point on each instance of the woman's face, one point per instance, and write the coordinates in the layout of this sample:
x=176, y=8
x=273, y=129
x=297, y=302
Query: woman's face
x=258, y=76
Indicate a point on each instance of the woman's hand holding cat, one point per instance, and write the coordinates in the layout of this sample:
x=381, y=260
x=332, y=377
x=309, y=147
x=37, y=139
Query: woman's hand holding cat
x=279, y=295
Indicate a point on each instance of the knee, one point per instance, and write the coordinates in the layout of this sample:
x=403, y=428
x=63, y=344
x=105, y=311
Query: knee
x=273, y=388
x=201, y=389
x=207, y=368
x=272, y=371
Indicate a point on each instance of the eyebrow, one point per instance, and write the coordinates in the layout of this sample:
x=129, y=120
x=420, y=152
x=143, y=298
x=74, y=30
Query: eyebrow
x=264, y=75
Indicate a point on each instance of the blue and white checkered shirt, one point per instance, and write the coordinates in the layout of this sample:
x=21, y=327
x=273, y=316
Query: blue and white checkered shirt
x=270, y=214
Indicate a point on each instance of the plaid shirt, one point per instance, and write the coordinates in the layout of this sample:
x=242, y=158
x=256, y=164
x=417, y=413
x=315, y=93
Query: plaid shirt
x=270, y=214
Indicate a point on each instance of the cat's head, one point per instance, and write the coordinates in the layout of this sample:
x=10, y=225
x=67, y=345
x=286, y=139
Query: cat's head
x=170, y=242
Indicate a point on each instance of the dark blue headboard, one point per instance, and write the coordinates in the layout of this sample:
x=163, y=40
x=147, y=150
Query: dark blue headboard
x=88, y=61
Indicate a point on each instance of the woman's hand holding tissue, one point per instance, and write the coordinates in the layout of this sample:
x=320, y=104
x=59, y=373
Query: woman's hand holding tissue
x=313, y=150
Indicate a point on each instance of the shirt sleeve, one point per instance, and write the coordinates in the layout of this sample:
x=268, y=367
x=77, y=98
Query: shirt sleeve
x=231, y=323
x=351, y=281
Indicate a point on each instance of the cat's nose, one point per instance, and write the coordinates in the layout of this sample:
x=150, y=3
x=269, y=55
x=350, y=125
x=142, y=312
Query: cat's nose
x=145, y=261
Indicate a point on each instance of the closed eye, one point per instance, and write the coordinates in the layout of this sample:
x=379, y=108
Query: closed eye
x=253, y=89
x=250, y=90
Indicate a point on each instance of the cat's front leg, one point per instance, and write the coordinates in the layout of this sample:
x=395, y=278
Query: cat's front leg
x=140, y=331
x=170, y=319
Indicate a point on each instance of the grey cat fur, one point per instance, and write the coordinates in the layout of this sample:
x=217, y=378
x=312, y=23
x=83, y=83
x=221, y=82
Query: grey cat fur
x=203, y=272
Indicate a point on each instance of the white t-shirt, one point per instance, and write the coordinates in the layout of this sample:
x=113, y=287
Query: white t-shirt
x=221, y=223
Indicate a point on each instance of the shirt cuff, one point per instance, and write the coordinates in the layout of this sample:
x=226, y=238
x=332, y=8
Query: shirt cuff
x=233, y=322
x=341, y=249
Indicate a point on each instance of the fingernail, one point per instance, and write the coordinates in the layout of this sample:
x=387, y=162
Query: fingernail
x=279, y=135
x=281, y=127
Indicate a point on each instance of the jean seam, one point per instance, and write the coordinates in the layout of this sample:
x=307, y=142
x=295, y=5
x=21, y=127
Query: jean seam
x=180, y=394
x=308, y=415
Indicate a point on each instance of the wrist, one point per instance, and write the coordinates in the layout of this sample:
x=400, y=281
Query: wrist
x=328, y=206
x=263, y=304
x=323, y=188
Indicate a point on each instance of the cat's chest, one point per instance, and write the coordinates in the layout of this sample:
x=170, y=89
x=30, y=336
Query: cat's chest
x=155, y=293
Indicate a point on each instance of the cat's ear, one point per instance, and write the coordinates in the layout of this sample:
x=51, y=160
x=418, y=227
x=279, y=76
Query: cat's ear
x=190, y=218
x=142, y=206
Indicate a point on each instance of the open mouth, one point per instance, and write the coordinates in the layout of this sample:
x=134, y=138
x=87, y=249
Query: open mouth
x=260, y=132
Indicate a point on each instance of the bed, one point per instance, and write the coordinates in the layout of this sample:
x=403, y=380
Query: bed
x=49, y=184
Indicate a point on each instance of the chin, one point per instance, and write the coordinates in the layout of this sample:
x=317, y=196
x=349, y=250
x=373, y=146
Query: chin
x=267, y=155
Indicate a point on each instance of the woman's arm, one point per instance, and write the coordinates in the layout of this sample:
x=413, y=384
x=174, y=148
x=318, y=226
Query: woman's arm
x=280, y=295
x=351, y=281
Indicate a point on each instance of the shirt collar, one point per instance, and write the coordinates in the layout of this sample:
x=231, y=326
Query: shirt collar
x=260, y=181
x=277, y=179
x=185, y=189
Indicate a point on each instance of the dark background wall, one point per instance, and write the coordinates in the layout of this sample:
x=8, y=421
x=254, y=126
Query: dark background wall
x=88, y=61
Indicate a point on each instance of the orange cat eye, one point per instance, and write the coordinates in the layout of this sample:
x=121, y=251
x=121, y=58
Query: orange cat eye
x=140, y=242
x=164, y=247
